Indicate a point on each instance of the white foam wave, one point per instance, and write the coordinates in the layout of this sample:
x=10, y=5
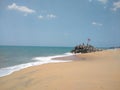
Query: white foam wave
x=50, y=57
x=68, y=53
x=40, y=61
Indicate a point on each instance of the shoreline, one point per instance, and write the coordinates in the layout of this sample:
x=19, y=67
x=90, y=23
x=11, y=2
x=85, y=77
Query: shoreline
x=38, y=61
x=98, y=70
x=67, y=57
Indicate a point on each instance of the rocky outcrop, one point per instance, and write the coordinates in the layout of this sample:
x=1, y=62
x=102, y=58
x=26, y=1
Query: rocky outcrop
x=84, y=49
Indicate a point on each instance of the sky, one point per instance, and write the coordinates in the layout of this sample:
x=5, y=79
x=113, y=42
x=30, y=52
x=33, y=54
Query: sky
x=60, y=22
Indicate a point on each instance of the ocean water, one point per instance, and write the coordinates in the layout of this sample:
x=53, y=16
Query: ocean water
x=14, y=58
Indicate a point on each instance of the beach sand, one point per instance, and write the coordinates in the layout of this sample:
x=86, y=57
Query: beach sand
x=91, y=71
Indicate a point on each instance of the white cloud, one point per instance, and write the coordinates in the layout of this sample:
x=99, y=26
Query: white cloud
x=103, y=1
x=51, y=16
x=96, y=24
x=47, y=16
x=116, y=5
x=40, y=17
x=24, y=9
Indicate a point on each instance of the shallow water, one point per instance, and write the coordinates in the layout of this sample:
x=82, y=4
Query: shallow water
x=14, y=58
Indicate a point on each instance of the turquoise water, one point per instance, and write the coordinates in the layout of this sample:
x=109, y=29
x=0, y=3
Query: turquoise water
x=14, y=55
x=14, y=58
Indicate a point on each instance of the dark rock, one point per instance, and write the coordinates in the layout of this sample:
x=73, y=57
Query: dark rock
x=84, y=49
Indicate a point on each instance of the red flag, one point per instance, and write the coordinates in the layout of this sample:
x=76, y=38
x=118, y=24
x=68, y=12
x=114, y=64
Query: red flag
x=88, y=39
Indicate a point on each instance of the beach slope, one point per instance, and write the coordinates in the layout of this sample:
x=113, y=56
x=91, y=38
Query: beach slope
x=93, y=71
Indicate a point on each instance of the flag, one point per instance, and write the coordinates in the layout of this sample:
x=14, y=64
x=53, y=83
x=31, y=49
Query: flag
x=89, y=39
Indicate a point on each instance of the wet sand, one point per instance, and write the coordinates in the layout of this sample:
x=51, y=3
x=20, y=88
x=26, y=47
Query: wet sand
x=92, y=71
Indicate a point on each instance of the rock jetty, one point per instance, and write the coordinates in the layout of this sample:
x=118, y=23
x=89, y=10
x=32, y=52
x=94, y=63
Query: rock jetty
x=84, y=49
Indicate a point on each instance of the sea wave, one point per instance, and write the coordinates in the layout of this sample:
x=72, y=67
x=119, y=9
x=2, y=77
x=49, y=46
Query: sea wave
x=39, y=61
x=47, y=58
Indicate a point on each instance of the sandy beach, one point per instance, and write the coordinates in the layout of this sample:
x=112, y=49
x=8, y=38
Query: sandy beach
x=91, y=71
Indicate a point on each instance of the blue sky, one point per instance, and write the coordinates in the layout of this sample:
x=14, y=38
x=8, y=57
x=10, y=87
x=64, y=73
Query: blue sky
x=60, y=22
